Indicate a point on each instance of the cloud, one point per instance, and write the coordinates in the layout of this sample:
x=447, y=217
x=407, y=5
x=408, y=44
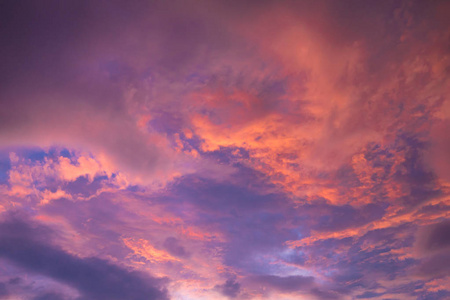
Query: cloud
x=174, y=247
x=230, y=288
x=341, y=217
x=77, y=95
x=434, y=238
x=435, y=266
x=432, y=244
x=49, y=296
x=3, y=290
x=285, y=284
x=23, y=244
x=440, y=146
x=292, y=146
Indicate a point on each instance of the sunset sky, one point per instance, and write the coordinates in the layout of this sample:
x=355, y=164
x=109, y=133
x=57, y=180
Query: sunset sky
x=216, y=150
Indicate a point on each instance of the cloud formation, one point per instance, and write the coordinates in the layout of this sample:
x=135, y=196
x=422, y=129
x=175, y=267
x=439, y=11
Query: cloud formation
x=239, y=149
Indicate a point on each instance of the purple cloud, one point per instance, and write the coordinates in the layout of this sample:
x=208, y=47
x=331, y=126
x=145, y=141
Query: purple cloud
x=242, y=149
x=23, y=244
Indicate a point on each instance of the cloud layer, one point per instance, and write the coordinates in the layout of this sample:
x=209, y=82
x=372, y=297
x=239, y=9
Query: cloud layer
x=224, y=150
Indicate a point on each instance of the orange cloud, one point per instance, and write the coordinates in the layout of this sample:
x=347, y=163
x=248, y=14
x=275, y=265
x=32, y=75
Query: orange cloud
x=145, y=249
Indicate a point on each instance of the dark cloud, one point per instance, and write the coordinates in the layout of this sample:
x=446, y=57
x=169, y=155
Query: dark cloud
x=368, y=295
x=83, y=186
x=15, y=280
x=3, y=290
x=336, y=218
x=437, y=295
x=230, y=288
x=50, y=296
x=285, y=284
x=174, y=247
x=435, y=237
x=325, y=294
x=219, y=197
x=23, y=244
x=437, y=265
x=414, y=173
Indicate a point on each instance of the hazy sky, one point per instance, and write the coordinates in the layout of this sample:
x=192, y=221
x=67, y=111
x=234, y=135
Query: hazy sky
x=214, y=150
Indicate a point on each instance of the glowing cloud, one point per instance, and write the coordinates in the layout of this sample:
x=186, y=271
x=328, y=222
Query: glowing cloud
x=224, y=150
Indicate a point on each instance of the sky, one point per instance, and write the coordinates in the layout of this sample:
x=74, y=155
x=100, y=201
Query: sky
x=216, y=150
